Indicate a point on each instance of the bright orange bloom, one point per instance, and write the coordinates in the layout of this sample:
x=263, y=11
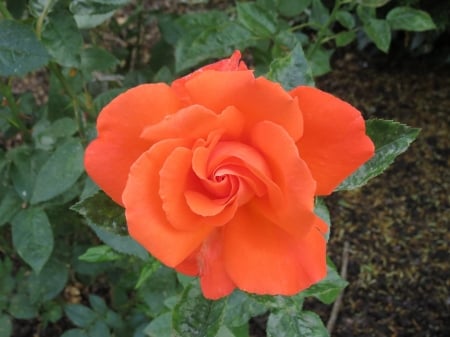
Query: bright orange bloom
x=218, y=174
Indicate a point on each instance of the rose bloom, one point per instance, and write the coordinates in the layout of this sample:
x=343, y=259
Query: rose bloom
x=218, y=173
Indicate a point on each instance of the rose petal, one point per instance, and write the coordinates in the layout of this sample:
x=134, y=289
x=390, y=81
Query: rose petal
x=258, y=99
x=214, y=279
x=334, y=143
x=177, y=177
x=290, y=207
x=147, y=222
x=196, y=122
x=230, y=64
x=262, y=258
x=108, y=158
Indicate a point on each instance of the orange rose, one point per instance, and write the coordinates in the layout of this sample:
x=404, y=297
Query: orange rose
x=218, y=174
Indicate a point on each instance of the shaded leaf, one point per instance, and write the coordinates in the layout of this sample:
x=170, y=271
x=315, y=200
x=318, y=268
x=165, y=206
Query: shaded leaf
x=346, y=19
x=20, y=50
x=60, y=172
x=240, y=308
x=373, y=3
x=161, y=326
x=49, y=282
x=291, y=70
x=80, y=315
x=329, y=288
x=261, y=22
x=390, y=139
x=21, y=307
x=207, y=36
x=379, y=32
x=5, y=325
x=319, y=61
x=321, y=210
x=407, y=18
x=101, y=253
x=63, y=39
x=10, y=204
x=196, y=316
x=291, y=8
x=32, y=237
x=295, y=324
x=75, y=333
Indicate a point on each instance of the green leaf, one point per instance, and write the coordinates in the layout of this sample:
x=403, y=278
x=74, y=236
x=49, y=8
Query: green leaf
x=98, y=304
x=366, y=13
x=291, y=8
x=329, y=288
x=121, y=243
x=261, y=22
x=295, y=324
x=10, y=204
x=107, y=220
x=32, y=237
x=215, y=41
x=5, y=326
x=319, y=13
x=410, y=19
x=373, y=3
x=80, y=315
x=20, y=50
x=60, y=172
x=390, y=139
x=321, y=210
x=147, y=271
x=379, y=32
x=49, y=282
x=346, y=19
x=240, y=308
x=319, y=61
x=291, y=70
x=97, y=59
x=345, y=38
x=196, y=316
x=101, y=253
x=75, y=333
x=21, y=307
x=98, y=329
x=89, y=7
x=99, y=209
x=161, y=326
x=46, y=136
x=63, y=39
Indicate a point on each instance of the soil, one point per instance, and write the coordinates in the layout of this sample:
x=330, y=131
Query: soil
x=397, y=226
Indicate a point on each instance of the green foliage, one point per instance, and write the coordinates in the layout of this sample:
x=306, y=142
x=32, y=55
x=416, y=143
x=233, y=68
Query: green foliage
x=64, y=243
x=391, y=139
x=20, y=50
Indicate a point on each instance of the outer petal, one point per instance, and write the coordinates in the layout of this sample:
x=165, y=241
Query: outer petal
x=230, y=64
x=214, y=278
x=258, y=99
x=147, y=222
x=262, y=258
x=120, y=123
x=334, y=143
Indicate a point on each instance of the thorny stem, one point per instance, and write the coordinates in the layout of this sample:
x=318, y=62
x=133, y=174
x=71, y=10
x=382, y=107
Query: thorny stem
x=75, y=101
x=16, y=121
